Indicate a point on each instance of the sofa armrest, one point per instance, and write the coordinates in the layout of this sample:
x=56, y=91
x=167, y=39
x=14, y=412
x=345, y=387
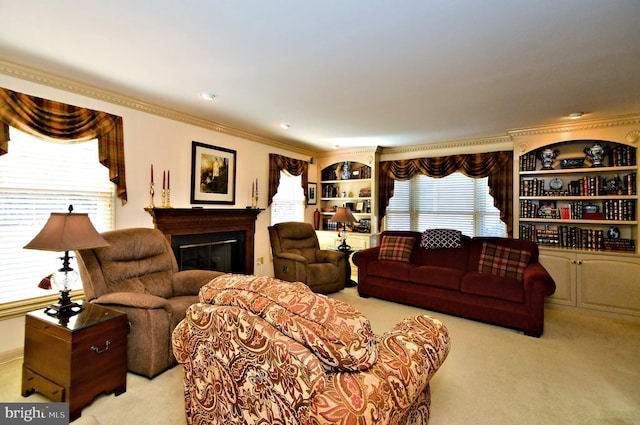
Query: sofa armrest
x=133, y=299
x=364, y=256
x=537, y=279
x=408, y=356
x=189, y=282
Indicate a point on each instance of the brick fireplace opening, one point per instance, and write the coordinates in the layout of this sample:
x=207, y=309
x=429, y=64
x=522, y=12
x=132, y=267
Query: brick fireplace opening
x=209, y=239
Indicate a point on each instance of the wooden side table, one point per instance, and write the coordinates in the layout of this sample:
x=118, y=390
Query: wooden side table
x=75, y=359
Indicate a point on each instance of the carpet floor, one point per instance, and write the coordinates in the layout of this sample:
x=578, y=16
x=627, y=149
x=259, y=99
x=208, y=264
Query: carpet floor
x=583, y=370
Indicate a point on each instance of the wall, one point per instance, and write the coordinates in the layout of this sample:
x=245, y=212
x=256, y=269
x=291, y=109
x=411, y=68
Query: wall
x=166, y=143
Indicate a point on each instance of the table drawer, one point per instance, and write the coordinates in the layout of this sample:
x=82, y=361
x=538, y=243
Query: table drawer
x=31, y=382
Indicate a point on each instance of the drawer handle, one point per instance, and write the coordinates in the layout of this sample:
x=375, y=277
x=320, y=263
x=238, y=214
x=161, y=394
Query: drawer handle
x=99, y=351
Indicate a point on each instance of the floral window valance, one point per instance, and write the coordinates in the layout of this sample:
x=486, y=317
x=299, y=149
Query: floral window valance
x=498, y=166
x=58, y=121
x=295, y=167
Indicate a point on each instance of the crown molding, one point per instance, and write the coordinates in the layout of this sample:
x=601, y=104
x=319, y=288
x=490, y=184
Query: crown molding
x=24, y=72
x=593, y=124
x=465, y=143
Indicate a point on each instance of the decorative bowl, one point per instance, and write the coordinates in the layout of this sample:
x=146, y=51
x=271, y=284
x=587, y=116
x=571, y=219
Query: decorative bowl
x=572, y=162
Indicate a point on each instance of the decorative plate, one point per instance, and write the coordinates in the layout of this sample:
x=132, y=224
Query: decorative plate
x=555, y=184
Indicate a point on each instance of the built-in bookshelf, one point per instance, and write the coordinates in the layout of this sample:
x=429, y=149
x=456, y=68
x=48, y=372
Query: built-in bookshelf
x=571, y=199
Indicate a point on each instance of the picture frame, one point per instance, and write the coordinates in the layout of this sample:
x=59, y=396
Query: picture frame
x=312, y=193
x=213, y=174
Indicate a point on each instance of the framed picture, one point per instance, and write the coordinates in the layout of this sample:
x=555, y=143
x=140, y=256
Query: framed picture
x=312, y=193
x=213, y=174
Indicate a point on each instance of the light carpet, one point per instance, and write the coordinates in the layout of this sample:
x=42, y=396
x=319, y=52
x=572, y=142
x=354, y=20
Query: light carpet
x=583, y=370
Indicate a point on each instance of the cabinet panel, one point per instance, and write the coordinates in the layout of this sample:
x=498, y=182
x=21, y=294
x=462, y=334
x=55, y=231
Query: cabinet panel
x=609, y=283
x=561, y=266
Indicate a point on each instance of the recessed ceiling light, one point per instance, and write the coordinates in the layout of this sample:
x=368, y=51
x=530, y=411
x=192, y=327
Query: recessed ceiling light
x=575, y=115
x=285, y=125
x=207, y=95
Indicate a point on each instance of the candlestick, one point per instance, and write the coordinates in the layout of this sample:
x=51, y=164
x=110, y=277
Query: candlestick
x=151, y=194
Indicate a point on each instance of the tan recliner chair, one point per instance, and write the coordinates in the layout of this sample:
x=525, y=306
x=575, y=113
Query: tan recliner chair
x=297, y=257
x=138, y=275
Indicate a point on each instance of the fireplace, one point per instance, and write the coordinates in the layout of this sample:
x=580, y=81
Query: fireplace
x=222, y=251
x=209, y=239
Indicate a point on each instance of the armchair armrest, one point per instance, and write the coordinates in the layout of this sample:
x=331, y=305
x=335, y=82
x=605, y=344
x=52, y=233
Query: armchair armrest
x=189, y=282
x=133, y=299
x=408, y=356
x=292, y=257
x=214, y=339
x=327, y=256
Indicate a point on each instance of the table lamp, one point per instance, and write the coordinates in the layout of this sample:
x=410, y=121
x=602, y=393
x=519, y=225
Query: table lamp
x=66, y=232
x=343, y=215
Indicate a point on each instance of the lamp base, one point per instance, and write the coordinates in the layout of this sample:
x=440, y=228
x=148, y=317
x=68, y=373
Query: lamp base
x=64, y=307
x=344, y=247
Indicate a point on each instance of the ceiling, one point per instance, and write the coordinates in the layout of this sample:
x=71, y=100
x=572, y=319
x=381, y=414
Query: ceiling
x=345, y=73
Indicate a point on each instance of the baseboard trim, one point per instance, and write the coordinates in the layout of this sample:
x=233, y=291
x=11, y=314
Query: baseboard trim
x=10, y=355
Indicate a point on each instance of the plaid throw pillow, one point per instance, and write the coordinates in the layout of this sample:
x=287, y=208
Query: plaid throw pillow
x=502, y=261
x=441, y=238
x=396, y=248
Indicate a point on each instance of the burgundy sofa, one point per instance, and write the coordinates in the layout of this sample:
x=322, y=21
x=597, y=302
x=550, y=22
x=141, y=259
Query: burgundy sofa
x=448, y=280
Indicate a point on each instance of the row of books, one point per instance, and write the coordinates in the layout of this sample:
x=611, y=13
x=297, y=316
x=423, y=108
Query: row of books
x=585, y=186
x=575, y=238
x=621, y=156
x=619, y=209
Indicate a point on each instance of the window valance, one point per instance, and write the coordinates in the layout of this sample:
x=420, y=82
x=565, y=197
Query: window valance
x=497, y=166
x=295, y=167
x=58, y=121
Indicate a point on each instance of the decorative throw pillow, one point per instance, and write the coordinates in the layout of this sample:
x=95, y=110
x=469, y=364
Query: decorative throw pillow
x=441, y=238
x=396, y=248
x=502, y=261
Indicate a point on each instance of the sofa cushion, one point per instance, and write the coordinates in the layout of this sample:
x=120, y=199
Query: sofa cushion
x=392, y=270
x=338, y=334
x=503, y=261
x=396, y=248
x=441, y=238
x=440, y=277
x=489, y=285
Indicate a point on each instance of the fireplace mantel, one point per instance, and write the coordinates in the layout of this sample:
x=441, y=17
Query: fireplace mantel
x=189, y=221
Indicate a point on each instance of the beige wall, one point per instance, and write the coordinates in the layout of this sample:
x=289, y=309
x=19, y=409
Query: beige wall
x=167, y=144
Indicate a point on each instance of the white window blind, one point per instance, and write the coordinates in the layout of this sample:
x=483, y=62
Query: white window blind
x=288, y=202
x=453, y=202
x=38, y=177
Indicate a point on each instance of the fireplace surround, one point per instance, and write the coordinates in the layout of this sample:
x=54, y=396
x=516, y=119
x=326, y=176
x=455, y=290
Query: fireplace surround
x=200, y=229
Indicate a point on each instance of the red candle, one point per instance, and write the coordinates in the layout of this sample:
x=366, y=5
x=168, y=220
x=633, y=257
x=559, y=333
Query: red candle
x=168, y=179
x=164, y=177
x=151, y=173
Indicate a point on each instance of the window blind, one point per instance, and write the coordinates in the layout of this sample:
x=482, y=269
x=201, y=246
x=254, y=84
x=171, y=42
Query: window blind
x=454, y=202
x=38, y=177
x=288, y=202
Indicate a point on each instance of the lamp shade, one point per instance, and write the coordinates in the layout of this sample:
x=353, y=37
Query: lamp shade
x=67, y=232
x=343, y=215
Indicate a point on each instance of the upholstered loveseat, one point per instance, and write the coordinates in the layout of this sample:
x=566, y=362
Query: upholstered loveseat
x=258, y=350
x=494, y=280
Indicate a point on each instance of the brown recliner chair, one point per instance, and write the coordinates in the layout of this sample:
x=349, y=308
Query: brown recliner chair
x=138, y=275
x=297, y=257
